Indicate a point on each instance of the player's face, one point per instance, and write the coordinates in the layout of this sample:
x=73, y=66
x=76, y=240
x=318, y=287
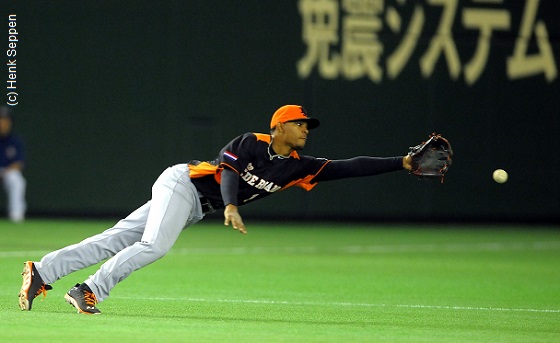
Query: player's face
x=296, y=134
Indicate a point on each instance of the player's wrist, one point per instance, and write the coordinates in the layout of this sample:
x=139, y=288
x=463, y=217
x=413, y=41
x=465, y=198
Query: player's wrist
x=406, y=162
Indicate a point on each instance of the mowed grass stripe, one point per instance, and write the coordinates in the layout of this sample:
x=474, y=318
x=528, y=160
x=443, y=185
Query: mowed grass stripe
x=354, y=249
x=339, y=304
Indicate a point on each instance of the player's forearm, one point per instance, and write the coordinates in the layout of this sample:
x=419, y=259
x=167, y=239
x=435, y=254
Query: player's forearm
x=360, y=166
x=229, y=186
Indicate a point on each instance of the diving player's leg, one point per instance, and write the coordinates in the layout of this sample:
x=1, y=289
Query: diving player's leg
x=175, y=205
x=38, y=275
x=94, y=249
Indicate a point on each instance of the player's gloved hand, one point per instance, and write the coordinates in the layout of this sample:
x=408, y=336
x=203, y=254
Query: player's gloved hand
x=232, y=216
x=431, y=158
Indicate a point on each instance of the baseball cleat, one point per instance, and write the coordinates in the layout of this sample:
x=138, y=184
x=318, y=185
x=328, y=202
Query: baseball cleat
x=31, y=287
x=83, y=299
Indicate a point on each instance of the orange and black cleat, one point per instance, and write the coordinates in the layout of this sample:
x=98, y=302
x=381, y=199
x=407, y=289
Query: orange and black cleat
x=31, y=287
x=83, y=299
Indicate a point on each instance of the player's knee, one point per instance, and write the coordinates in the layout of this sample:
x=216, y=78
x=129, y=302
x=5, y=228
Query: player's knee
x=156, y=249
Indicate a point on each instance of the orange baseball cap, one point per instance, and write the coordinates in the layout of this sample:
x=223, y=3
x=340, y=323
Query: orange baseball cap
x=288, y=113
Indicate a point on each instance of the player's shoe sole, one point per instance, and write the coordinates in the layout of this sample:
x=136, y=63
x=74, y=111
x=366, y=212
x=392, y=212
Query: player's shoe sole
x=83, y=299
x=32, y=285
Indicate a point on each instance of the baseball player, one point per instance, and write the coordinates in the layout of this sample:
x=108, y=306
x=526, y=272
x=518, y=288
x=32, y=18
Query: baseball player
x=250, y=167
x=11, y=166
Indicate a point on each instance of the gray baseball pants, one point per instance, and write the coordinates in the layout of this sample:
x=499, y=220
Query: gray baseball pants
x=141, y=238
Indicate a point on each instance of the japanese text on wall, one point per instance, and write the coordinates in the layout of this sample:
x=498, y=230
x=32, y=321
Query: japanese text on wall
x=343, y=39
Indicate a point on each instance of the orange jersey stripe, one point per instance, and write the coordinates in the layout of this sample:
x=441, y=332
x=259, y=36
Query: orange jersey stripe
x=305, y=182
x=205, y=169
x=263, y=137
x=202, y=169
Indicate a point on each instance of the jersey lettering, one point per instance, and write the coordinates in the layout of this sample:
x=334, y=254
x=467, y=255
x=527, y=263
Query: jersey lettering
x=259, y=183
x=253, y=179
x=262, y=183
x=271, y=188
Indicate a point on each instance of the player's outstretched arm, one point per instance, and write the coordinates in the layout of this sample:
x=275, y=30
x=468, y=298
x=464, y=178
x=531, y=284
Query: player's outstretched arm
x=361, y=166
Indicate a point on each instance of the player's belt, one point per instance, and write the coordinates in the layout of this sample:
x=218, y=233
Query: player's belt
x=206, y=204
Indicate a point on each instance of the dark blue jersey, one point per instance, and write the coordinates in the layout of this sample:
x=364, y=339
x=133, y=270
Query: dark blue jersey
x=11, y=150
x=261, y=172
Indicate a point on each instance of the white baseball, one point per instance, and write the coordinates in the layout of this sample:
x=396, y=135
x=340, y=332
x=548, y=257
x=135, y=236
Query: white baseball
x=500, y=176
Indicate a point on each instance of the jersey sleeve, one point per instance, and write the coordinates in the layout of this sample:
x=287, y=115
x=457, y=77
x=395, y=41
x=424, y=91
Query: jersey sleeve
x=229, y=187
x=310, y=167
x=231, y=156
x=237, y=152
x=359, y=166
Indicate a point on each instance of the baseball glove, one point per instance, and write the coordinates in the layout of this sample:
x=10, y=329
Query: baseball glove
x=431, y=158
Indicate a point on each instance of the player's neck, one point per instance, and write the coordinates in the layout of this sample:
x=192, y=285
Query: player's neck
x=280, y=149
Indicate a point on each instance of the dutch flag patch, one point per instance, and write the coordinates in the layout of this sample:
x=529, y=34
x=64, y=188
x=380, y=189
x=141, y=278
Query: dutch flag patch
x=230, y=155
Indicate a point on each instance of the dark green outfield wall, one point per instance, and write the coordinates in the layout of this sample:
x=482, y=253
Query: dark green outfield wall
x=110, y=93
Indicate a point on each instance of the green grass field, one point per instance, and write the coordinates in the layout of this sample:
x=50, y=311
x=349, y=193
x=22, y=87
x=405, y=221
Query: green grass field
x=289, y=282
